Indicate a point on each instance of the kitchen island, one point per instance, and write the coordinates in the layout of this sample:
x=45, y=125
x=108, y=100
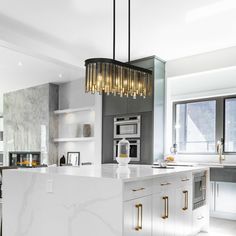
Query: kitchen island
x=104, y=200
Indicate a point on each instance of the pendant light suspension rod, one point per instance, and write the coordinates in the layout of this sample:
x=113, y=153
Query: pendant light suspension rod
x=114, y=29
x=128, y=31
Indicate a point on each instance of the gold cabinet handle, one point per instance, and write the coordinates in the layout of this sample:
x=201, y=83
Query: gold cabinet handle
x=139, y=217
x=164, y=184
x=166, y=207
x=185, y=200
x=183, y=180
x=138, y=189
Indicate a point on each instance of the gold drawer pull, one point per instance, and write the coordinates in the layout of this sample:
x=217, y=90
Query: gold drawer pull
x=139, y=189
x=139, y=217
x=164, y=184
x=185, y=200
x=166, y=207
x=183, y=180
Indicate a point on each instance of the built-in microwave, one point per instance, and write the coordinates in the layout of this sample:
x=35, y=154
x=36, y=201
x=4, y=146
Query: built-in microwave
x=199, y=189
x=127, y=127
x=134, y=152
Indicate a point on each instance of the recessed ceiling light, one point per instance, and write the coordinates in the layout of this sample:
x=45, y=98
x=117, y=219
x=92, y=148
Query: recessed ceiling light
x=210, y=10
x=60, y=75
x=20, y=63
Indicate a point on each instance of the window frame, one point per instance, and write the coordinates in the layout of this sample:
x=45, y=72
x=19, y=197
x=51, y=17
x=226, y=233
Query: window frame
x=219, y=124
x=224, y=102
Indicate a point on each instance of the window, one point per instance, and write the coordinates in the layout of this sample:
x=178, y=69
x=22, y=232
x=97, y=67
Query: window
x=230, y=125
x=200, y=124
x=196, y=127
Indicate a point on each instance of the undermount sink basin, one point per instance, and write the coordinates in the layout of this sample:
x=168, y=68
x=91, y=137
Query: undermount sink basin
x=229, y=165
x=218, y=165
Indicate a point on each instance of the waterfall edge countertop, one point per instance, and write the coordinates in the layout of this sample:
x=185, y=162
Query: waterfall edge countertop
x=94, y=200
x=113, y=171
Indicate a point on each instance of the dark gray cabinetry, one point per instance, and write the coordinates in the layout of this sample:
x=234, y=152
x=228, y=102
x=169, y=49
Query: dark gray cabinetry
x=151, y=110
x=114, y=105
x=139, y=104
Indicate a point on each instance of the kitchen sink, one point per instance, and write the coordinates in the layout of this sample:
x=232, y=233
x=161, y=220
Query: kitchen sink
x=225, y=174
x=218, y=165
x=229, y=166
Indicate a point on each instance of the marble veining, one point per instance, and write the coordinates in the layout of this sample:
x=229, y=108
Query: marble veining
x=76, y=204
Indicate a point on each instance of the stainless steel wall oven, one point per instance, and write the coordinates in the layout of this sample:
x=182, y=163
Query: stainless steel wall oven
x=128, y=126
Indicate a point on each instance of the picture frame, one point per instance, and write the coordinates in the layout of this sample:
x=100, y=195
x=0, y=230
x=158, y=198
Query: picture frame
x=73, y=158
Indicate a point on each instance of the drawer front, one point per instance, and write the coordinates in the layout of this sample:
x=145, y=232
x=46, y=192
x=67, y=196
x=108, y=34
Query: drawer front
x=137, y=189
x=185, y=179
x=200, y=219
x=161, y=184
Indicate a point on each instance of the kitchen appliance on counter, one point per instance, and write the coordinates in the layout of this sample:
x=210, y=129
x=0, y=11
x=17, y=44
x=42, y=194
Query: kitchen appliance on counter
x=24, y=159
x=199, y=189
x=128, y=127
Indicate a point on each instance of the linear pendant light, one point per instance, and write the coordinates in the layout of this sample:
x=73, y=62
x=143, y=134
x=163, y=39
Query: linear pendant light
x=110, y=76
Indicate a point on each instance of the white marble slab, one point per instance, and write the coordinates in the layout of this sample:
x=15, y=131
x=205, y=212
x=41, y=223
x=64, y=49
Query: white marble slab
x=113, y=171
x=42, y=203
x=71, y=201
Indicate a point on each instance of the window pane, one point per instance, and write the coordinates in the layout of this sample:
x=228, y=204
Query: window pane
x=230, y=125
x=196, y=127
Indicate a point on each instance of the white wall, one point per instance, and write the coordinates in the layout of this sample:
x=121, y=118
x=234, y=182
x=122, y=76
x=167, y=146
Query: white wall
x=1, y=103
x=206, y=75
x=72, y=95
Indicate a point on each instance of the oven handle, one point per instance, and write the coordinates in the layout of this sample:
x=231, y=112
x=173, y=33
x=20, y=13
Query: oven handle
x=127, y=122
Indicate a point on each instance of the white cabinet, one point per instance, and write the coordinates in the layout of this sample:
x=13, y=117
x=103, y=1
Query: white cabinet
x=183, y=210
x=172, y=207
x=138, y=217
x=212, y=196
x=200, y=220
x=223, y=195
x=162, y=207
x=164, y=213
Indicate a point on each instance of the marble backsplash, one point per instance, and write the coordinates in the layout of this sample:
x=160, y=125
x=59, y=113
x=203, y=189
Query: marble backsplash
x=29, y=124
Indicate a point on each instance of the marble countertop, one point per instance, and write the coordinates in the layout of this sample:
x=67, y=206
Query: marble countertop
x=113, y=171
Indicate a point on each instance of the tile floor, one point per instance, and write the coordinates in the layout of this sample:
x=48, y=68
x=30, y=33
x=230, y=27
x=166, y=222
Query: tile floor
x=220, y=227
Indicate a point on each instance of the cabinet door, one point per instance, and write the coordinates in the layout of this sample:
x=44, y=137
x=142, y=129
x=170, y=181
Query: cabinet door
x=164, y=213
x=225, y=196
x=114, y=105
x=140, y=104
x=183, y=211
x=138, y=217
x=212, y=196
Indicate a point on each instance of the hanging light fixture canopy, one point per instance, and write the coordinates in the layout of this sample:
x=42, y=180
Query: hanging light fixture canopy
x=118, y=78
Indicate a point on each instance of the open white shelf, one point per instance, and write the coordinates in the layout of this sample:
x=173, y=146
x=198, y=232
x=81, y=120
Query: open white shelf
x=74, y=110
x=81, y=139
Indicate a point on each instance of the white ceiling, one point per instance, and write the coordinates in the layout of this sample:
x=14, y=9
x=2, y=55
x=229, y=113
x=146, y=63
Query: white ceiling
x=212, y=83
x=83, y=28
x=169, y=29
x=18, y=71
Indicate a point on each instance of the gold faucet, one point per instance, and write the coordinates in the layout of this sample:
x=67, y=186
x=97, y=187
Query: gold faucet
x=219, y=148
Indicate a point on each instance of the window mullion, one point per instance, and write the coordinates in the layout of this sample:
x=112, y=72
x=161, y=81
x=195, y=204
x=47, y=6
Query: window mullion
x=219, y=119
